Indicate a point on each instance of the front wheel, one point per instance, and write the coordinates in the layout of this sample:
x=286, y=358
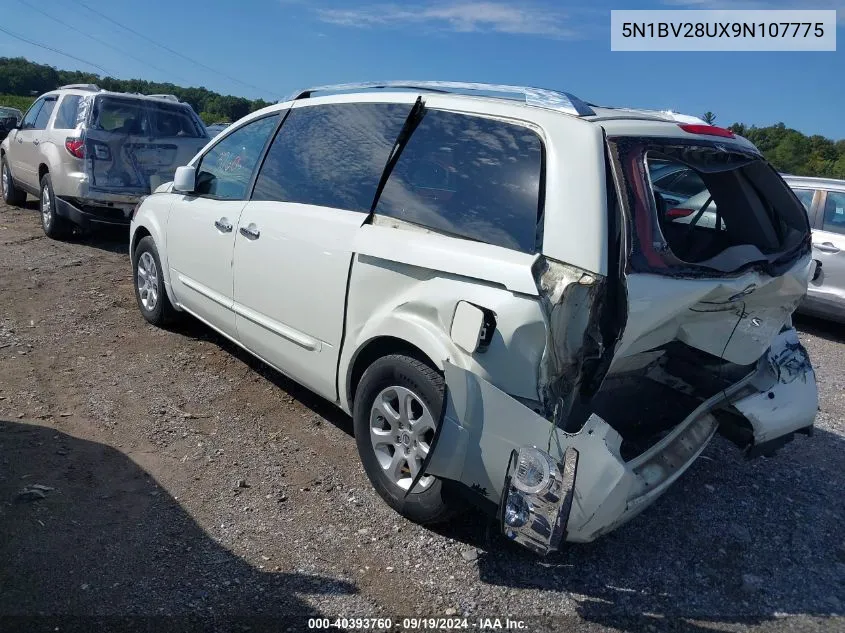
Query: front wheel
x=398, y=406
x=150, y=292
x=11, y=194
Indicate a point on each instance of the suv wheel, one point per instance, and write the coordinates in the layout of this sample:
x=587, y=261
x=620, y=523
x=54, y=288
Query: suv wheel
x=150, y=293
x=11, y=194
x=398, y=405
x=55, y=226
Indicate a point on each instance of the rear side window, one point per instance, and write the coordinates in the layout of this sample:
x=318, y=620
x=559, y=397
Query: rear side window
x=471, y=177
x=66, y=117
x=225, y=171
x=44, y=115
x=834, y=212
x=331, y=155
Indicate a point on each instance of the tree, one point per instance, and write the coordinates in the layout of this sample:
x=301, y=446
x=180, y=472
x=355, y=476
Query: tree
x=19, y=76
x=709, y=118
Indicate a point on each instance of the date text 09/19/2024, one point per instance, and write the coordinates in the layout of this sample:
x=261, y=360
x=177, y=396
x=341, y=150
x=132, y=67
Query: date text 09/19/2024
x=419, y=624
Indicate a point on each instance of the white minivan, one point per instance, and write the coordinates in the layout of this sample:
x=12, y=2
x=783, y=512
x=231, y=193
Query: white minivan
x=485, y=279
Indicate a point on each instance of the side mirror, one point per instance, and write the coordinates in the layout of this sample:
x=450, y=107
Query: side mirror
x=185, y=179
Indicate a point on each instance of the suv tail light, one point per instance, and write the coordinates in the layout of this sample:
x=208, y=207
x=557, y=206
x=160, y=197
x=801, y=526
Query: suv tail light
x=678, y=213
x=706, y=130
x=75, y=146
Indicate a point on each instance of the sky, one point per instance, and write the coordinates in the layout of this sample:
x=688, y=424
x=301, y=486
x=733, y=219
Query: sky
x=270, y=48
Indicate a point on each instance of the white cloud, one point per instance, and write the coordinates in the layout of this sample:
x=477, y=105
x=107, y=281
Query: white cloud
x=459, y=16
x=839, y=5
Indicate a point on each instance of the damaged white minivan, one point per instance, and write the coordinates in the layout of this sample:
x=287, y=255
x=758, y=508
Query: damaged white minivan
x=490, y=281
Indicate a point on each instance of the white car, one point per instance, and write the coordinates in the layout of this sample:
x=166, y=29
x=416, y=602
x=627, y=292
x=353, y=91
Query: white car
x=481, y=277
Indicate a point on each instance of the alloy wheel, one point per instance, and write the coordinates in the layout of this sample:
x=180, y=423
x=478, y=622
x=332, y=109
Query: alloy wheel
x=401, y=431
x=147, y=281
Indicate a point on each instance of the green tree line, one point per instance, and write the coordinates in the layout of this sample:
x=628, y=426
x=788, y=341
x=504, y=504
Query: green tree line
x=788, y=150
x=23, y=78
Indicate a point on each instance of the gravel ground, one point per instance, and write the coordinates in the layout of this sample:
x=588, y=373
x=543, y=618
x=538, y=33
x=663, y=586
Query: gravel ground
x=175, y=476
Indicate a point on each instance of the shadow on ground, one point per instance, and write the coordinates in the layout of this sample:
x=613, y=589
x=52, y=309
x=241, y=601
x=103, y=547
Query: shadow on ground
x=107, y=540
x=828, y=330
x=733, y=541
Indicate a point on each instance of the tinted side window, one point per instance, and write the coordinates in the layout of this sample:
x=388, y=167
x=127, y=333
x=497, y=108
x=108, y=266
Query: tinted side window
x=44, y=115
x=331, y=155
x=68, y=110
x=225, y=171
x=31, y=114
x=805, y=196
x=469, y=176
x=834, y=213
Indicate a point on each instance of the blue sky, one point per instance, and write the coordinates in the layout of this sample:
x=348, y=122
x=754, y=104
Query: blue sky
x=269, y=48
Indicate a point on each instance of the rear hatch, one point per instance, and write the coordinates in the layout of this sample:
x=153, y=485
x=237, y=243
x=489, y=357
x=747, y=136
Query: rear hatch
x=133, y=145
x=718, y=244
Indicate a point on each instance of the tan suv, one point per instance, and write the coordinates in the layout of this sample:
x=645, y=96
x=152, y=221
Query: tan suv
x=90, y=155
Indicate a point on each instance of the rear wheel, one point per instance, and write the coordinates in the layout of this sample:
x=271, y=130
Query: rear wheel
x=55, y=226
x=11, y=194
x=398, y=406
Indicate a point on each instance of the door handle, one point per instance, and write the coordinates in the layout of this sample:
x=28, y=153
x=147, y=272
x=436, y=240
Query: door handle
x=250, y=232
x=223, y=225
x=827, y=247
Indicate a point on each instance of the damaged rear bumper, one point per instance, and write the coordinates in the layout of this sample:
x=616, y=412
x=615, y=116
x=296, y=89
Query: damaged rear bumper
x=494, y=444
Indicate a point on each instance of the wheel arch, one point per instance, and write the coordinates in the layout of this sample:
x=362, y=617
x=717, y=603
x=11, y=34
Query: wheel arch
x=148, y=223
x=397, y=333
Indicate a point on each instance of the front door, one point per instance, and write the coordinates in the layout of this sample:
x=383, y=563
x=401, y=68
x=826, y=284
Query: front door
x=202, y=225
x=293, y=249
x=24, y=143
x=827, y=292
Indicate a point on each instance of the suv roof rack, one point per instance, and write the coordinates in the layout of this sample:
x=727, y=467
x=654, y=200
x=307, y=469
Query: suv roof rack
x=551, y=99
x=91, y=87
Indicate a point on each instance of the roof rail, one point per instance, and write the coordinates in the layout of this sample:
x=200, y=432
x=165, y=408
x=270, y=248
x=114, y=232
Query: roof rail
x=91, y=87
x=165, y=97
x=551, y=99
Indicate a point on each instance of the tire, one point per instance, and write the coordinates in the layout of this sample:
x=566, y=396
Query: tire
x=401, y=377
x=55, y=226
x=11, y=194
x=148, y=282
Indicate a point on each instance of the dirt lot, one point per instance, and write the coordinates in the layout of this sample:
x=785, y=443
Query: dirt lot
x=187, y=480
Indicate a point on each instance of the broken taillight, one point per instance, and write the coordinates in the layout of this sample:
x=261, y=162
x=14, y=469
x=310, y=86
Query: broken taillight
x=706, y=130
x=75, y=146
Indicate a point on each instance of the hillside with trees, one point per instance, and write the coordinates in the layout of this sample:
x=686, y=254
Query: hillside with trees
x=790, y=151
x=24, y=79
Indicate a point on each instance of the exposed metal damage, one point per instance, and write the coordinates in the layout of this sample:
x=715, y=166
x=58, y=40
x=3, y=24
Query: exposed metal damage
x=572, y=300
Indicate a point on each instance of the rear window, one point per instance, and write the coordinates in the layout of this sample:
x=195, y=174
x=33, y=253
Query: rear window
x=708, y=206
x=469, y=176
x=137, y=117
x=168, y=121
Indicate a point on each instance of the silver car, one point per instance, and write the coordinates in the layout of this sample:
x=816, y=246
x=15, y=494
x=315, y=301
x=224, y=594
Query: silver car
x=89, y=155
x=824, y=200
